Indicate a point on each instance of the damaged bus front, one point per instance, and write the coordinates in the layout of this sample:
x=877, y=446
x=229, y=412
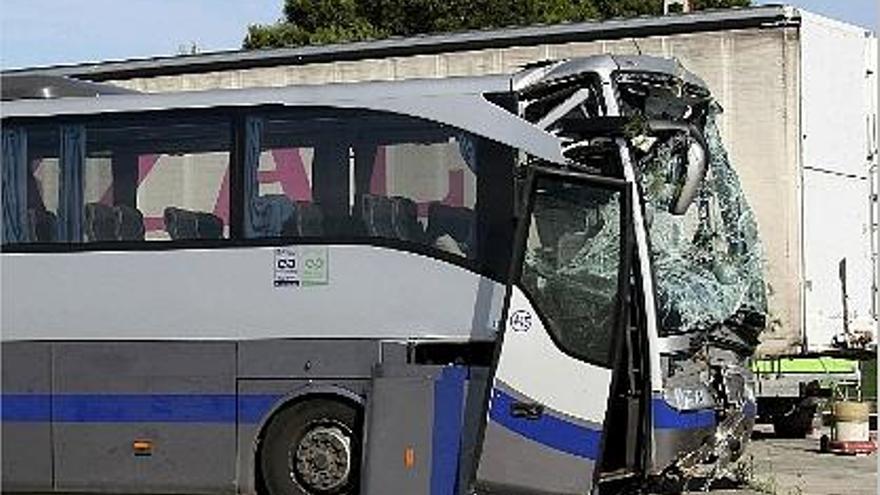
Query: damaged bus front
x=648, y=195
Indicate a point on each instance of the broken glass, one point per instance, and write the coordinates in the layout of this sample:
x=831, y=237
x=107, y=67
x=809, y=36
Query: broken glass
x=572, y=264
x=708, y=261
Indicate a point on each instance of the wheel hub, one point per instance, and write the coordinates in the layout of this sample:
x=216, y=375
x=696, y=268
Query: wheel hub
x=322, y=460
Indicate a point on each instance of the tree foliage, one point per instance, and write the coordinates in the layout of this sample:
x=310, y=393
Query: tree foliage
x=314, y=22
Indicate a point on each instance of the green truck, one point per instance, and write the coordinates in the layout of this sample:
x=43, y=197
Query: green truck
x=791, y=390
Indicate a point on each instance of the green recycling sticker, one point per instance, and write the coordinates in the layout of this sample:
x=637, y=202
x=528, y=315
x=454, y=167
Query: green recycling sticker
x=313, y=265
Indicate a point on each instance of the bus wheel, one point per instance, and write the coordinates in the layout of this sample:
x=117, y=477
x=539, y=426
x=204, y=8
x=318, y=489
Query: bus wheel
x=312, y=448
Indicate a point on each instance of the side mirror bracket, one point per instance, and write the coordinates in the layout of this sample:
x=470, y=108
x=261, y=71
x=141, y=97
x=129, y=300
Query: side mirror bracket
x=697, y=162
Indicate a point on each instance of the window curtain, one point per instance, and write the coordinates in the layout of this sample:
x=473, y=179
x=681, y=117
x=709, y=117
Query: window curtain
x=70, y=200
x=14, y=186
x=467, y=146
x=264, y=216
x=253, y=213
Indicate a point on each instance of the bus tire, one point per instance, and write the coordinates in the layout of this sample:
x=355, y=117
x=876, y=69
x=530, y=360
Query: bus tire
x=312, y=448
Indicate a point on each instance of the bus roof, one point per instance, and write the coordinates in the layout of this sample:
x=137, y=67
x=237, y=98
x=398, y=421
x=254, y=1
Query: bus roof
x=457, y=101
x=24, y=87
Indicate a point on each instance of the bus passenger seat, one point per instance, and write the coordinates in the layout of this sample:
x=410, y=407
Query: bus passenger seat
x=341, y=224
x=186, y=224
x=307, y=221
x=271, y=215
x=42, y=225
x=209, y=226
x=376, y=213
x=129, y=223
x=405, y=220
x=99, y=222
x=453, y=221
x=391, y=218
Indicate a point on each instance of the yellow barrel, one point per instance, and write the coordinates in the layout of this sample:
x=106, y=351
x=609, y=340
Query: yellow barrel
x=851, y=421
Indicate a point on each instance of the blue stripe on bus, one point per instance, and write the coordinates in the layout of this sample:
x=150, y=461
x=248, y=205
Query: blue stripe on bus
x=446, y=435
x=667, y=417
x=254, y=408
x=554, y=432
x=136, y=408
x=26, y=407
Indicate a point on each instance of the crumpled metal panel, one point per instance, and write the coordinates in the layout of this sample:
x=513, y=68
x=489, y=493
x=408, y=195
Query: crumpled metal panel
x=709, y=261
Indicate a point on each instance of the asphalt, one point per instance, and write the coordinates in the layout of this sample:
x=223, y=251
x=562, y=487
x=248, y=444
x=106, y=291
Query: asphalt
x=775, y=466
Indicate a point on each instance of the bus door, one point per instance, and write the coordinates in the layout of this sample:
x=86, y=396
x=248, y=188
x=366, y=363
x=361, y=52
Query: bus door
x=551, y=381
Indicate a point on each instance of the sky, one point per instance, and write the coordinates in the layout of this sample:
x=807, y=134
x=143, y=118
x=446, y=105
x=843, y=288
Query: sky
x=860, y=12
x=48, y=32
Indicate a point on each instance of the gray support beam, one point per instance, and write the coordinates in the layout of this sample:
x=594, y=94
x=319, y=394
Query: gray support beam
x=124, y=167
x=331, y=184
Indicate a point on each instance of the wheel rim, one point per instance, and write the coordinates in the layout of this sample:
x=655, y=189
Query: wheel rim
x=321, y=460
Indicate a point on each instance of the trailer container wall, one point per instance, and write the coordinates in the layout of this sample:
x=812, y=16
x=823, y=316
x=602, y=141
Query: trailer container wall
x=871, y=130
x=836, y=148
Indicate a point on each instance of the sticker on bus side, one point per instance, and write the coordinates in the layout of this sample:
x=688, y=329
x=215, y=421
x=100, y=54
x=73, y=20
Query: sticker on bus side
x=301, y=266
x=520, y=321
x=314, y=265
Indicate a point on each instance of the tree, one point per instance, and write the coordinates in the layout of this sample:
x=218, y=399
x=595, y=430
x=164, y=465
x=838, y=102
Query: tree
x=314, y=22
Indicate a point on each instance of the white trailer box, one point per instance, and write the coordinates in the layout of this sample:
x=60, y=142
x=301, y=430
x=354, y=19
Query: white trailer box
x=837, y=158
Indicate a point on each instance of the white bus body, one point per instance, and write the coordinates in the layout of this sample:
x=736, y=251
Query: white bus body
x=545, y=282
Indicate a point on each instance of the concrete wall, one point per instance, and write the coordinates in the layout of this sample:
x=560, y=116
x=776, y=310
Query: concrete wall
x=753, y=73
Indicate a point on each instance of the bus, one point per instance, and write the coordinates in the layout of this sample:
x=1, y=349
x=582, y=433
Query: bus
x=544, y=282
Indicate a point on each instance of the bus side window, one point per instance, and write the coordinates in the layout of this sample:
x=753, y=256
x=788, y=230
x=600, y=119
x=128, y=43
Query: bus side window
x=366, y=176
x=157, y=178
x=117, y=179
x=280, y=200
x=431, y=189
x=30, y=184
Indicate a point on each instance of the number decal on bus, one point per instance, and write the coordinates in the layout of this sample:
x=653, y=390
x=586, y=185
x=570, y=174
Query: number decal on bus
x=521, y=321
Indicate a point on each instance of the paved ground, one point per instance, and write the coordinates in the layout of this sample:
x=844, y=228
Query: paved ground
x=796, y=467
x=775, y=466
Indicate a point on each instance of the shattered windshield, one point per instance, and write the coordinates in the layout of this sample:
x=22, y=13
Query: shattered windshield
x=707, y=262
